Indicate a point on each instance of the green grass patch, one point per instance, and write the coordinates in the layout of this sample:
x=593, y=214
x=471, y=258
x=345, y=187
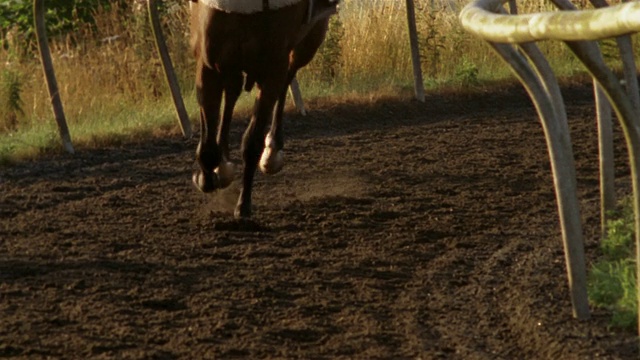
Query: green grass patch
x=106, y=124
x=612, y=279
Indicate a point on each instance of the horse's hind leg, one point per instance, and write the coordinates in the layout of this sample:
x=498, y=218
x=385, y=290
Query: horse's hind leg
x=209, y=86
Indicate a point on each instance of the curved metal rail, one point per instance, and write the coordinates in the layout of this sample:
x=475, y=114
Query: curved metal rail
x=480, y=18
x=487, y=19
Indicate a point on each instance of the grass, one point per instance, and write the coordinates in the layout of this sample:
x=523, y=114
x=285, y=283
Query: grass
x=106, y=125
x=112, y=86
x=612, y=279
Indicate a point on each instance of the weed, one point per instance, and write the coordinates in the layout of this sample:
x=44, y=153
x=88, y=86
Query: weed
x=612, y=280
x=467, y=74
x=11, y=103
x=329, y=56
x=431, y=42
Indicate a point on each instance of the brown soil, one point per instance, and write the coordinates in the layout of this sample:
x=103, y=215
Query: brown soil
x=396, y=230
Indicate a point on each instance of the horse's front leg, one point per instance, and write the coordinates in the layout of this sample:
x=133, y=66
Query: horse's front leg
x=253, y=141
x=209, y=87
x=232, y=90
x=272, y=159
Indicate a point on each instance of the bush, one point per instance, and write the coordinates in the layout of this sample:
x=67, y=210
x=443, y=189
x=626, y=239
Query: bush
x=432, y=42
x=467, y=73
x=328, y=58
x=10, y=99
x=612, y=280
x=61, y=16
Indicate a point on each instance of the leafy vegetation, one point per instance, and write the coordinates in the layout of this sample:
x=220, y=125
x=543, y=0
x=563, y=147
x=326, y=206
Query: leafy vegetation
x=328, y=58
x=63, y=16
x=12, y=104
x=467, y=74
x=612, y=280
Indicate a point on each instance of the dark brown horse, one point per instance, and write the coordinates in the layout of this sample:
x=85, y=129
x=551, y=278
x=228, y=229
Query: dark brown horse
x=266, y=49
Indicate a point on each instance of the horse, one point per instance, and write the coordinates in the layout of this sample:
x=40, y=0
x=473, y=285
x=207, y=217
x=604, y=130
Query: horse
x=264, y=44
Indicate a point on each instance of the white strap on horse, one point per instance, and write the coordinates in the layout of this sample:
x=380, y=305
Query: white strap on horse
x=255, y=6
x=246, y=6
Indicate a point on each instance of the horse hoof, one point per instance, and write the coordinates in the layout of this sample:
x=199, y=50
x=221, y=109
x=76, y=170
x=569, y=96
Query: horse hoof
x=202, y=182
x=272, y=161
x=242, y=212
x=225, y=173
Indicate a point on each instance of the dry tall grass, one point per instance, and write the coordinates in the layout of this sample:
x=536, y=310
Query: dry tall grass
x=110, y=81
x=110, y=76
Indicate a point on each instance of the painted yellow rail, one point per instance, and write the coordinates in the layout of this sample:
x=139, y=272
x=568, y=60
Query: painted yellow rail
x=481, y=18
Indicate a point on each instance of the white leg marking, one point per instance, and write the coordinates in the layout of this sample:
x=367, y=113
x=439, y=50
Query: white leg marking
x=272, y=160
x=225, y=172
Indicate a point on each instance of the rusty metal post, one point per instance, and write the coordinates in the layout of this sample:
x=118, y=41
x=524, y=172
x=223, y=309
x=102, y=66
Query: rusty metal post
x=49, y=74
x=415, y=51
x=161, y=45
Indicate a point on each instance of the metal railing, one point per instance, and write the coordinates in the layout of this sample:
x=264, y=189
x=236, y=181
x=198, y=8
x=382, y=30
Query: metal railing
x=513, y=38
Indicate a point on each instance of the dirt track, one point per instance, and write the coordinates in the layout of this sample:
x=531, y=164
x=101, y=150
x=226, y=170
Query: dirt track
x=396, y=230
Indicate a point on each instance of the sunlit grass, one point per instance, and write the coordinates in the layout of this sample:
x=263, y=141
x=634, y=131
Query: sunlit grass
x=103, y=125
x=112, y=85
x=612, y=280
